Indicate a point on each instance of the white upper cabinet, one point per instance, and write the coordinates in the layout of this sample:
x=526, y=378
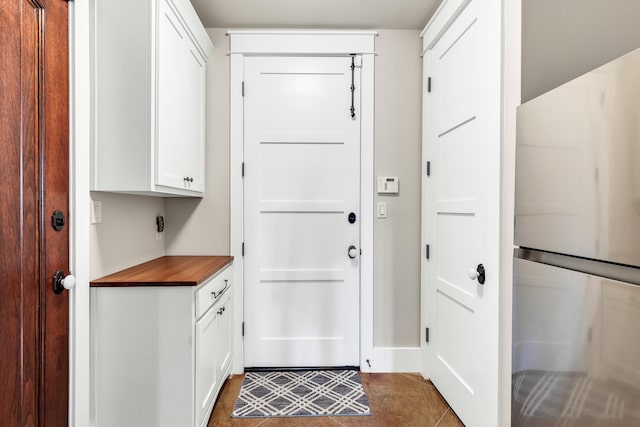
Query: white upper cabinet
x=149, y=95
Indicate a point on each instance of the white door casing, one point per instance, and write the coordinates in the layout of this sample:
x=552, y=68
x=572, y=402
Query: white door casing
x=462, y=206
x=247, y=43
x=302, y=180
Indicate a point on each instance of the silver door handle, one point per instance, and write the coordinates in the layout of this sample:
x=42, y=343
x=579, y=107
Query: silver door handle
x=352, y=252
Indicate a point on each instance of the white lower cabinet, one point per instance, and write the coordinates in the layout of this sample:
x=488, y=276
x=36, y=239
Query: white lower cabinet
x=213, y=350
x=159, y=354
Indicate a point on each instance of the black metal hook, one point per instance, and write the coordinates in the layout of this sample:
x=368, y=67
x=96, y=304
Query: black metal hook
x=353, y=86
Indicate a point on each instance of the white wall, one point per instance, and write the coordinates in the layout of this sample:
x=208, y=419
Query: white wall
x=563, y=39
x=398, y=124
x=202, y=226
x=127, y=234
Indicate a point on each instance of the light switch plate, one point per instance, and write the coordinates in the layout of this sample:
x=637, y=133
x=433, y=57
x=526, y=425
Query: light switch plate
x=388, y=185
x=96, y=212
x=382, y=209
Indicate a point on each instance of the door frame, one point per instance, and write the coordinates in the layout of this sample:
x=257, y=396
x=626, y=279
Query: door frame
x=302, y=43
x=80, y=214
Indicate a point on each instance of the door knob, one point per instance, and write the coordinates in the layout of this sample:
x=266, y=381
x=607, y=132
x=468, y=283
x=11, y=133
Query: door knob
x=478, y=273
x=61, y=281
x=352, y=252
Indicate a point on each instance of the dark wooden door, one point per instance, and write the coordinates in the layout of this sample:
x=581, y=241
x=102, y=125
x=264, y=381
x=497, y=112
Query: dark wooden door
x=34, y=182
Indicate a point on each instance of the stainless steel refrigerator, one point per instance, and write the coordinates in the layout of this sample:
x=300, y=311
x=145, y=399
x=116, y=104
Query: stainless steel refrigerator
x=576, y=299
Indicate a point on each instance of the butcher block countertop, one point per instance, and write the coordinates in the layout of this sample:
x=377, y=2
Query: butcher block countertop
x=167, y=271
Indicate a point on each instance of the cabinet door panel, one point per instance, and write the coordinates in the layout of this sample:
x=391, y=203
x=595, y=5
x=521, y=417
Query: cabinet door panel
x=172, y=40
x=207, y=337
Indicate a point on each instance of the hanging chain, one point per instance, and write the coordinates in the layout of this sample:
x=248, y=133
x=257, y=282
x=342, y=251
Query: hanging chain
x=353, y=86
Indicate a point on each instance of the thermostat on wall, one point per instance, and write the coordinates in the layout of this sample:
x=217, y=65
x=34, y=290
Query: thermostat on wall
x=387, y=185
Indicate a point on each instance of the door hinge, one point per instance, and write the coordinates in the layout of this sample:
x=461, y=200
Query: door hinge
x=429, y=84
x=428, y=168
x=242, y=88
x=243, y=169
x=243, y=329
x=426, y=334
x=427, y=251
x=242, y=248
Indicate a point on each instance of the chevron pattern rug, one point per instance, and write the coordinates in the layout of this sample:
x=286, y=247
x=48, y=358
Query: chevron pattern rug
x=301, y=394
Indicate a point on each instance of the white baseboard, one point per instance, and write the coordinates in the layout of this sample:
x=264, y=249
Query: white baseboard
x=393, y=359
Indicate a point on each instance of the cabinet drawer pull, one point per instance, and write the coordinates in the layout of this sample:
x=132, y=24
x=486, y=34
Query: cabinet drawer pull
x=217, y=295
x=221, y=310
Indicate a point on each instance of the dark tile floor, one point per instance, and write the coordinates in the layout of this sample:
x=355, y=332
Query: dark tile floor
x=395, y=399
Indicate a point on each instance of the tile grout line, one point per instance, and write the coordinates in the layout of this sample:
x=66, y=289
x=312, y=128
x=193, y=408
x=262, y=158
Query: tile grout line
x=413, y=378
x=420, y=381
x=339, y=423
x=262, y=422
x=445, y=413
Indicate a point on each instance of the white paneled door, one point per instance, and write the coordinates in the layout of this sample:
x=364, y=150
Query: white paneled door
x=462, y=207
x=302, y=182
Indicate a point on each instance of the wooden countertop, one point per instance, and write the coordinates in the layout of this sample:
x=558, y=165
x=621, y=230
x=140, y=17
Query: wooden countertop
x=167, y=271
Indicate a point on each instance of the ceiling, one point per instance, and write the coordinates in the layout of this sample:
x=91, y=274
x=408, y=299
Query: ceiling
x=344, y=14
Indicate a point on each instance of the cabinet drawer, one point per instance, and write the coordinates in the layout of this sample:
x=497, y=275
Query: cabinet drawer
x=212, y=291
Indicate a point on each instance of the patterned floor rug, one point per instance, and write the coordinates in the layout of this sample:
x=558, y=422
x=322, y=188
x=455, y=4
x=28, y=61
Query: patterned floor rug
x=301, y=394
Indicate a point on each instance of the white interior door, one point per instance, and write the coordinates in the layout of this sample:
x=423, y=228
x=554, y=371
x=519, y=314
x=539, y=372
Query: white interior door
x=463, y=212
x=302, y=169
